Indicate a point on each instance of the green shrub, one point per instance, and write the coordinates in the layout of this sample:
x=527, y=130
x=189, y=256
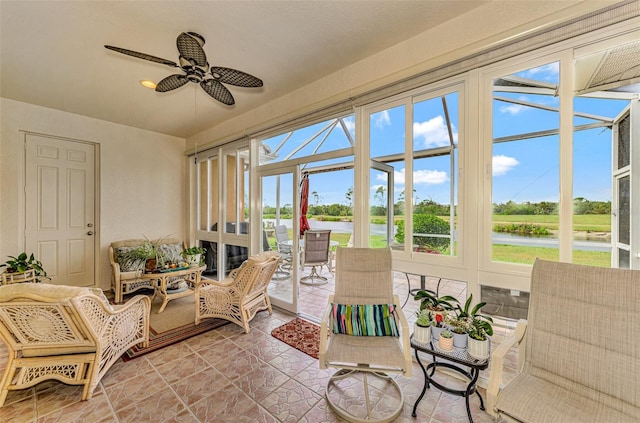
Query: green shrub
x=521, y=229
x=426, y=224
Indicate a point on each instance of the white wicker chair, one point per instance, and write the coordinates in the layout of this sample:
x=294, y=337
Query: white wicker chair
x=66, y=333
x=241, y=295
x=364, y=277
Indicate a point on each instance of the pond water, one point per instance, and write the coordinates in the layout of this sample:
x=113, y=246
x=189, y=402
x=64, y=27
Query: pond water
x=597, y=244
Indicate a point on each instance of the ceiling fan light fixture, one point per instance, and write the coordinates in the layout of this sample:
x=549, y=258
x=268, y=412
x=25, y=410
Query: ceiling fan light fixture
x=195, y=68
x=148, y=84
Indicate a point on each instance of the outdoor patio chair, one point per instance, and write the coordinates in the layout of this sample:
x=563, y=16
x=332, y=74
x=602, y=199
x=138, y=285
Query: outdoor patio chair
x=66, y=333
x=364, y=287
x=241, y=295
x=284, y=248
x=316, y=253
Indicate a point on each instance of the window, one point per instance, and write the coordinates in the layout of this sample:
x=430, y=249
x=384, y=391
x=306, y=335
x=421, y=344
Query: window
x=525, y=165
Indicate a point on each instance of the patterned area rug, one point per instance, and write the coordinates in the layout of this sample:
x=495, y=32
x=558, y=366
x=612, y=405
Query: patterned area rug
x=176, y=323
x=300, y=334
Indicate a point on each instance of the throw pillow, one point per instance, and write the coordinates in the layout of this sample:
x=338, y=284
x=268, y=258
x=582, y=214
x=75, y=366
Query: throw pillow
x=126, y=262
x=365, y=319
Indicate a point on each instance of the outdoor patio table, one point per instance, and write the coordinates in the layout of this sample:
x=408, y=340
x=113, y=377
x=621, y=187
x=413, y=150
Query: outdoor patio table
x=423, y=283
x=455, y=360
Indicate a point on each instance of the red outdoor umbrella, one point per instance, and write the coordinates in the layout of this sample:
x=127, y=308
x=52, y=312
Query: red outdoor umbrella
x=304, y=205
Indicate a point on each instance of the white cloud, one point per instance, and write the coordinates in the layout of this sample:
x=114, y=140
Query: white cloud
x=350, y=123
x=514, y=109
x=547, y=70
x=503, y=164
x=430, y=177
x=420, y=177
x=433, y=132
x=382, y=119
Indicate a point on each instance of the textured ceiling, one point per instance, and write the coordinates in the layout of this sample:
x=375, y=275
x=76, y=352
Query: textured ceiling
x=52, y=52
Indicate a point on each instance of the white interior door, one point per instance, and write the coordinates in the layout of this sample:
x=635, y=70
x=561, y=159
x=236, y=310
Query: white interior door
x=60, y=208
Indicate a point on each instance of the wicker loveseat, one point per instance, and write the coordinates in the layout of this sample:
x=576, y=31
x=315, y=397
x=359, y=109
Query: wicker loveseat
x=126, y=274
x=579, y=350
x=66, y=333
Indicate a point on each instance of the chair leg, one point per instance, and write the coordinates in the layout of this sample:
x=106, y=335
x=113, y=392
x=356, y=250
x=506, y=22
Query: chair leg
x=343, y=413
x=310, y=278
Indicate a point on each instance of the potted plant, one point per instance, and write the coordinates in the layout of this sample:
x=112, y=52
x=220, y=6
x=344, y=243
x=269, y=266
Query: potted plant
x=446, y=340
x=23, y=269
x=422, y=327
x=458, y=326
x=436, y=305
x=193, y=255
x=479, y=331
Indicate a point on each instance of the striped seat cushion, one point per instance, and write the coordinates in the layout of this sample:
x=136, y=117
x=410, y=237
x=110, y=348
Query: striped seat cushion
x=365, y=319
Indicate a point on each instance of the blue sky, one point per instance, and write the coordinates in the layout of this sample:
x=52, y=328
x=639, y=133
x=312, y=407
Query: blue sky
x=524, y=170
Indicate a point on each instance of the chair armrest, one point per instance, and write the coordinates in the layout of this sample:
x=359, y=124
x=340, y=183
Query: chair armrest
x=225, y=283
x=325, y=326
x=497, y=363
x=405, y=336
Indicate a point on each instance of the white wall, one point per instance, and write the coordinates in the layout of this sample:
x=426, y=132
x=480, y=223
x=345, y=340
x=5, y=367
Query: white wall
x=142, y=177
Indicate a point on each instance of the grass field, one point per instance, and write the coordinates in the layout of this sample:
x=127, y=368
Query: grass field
x=526, y=255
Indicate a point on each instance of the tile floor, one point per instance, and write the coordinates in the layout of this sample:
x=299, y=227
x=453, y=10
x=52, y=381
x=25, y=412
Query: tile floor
x=225, y=375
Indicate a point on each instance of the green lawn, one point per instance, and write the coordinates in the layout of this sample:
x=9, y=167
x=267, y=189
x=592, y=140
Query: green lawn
x=520, y=254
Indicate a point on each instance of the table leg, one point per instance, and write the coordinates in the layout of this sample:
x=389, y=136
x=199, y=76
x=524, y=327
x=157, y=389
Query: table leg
x=470, y=387
x=424, y=387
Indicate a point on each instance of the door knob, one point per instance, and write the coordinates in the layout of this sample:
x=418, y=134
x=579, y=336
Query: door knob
x=90, y=233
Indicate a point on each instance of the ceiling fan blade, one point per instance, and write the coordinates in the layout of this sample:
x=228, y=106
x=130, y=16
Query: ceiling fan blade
x=218, y=91
x=235, y=77
x=171, y=82
x=143, y=56
x=190, y=47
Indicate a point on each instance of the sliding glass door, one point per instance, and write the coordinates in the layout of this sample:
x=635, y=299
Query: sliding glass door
x=280, y=226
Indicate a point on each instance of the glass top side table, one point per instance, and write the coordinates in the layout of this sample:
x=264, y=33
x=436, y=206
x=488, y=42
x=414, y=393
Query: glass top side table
x=457, y=360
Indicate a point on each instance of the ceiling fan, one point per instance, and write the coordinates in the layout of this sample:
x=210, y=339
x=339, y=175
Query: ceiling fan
x=193, y=62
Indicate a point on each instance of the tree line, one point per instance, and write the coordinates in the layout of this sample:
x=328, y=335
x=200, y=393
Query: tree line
x=430, y=207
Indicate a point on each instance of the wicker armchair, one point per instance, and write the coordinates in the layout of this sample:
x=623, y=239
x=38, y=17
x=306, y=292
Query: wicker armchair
x=364, y=282
x=241, y=295
x=66, y=333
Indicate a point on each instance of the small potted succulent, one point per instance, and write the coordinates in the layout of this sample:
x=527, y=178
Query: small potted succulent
x=23, y=268
x=422, y=327
x=458, y=326
x=446, y=340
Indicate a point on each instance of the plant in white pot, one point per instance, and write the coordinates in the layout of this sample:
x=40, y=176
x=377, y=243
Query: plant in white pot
x=23, y=268
x=436, y=305
x=193, y=255
x=458, y=325
x=479, y=332
x=422, y=327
